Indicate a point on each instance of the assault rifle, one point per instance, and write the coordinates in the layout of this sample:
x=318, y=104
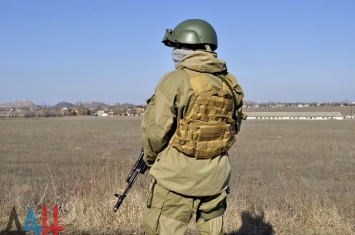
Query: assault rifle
x=139, y=167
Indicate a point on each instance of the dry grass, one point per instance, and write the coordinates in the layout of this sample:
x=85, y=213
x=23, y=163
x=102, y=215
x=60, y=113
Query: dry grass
x=289, y=177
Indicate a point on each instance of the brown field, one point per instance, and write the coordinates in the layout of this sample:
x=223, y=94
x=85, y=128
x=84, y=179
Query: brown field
x=289, y=177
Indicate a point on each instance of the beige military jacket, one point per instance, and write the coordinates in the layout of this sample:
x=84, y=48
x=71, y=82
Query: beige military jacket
x=170, y=103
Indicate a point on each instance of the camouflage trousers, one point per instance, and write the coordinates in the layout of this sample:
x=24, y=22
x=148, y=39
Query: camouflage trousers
x=169, y=213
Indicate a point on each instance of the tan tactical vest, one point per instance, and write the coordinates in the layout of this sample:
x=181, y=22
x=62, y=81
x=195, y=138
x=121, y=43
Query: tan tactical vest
x=208, y=129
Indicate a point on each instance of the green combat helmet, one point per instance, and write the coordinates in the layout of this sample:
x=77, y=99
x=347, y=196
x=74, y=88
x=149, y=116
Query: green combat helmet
x=195, y=32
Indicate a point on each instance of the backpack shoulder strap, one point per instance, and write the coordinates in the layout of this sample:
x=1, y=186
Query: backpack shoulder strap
x=198, y=83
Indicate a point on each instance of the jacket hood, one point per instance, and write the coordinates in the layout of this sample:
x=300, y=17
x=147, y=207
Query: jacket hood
x=203, y=61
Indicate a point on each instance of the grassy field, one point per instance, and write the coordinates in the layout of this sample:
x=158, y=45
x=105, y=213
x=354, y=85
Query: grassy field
x=289, y=177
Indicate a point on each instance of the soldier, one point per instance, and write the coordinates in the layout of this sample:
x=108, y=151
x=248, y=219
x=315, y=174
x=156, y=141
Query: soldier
x=190, y=123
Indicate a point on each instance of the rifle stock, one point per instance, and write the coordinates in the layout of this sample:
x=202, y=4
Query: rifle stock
x=139, y=167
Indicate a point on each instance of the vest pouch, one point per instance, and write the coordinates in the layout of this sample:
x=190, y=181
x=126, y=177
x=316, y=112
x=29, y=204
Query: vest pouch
x=214, y=140
x=182, y=143
x=212, y=132
x=209, y=149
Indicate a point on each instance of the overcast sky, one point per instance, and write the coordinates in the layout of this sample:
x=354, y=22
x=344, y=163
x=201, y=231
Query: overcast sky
x=111, y=51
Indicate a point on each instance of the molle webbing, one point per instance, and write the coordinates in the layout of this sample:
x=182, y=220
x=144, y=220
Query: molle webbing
x=208, y=129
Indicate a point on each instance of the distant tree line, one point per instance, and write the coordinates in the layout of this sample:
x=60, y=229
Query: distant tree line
x=78, y=110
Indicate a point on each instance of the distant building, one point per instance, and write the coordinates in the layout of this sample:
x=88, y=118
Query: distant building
x=102, y=113
x=295, y=115
x=105, y=113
